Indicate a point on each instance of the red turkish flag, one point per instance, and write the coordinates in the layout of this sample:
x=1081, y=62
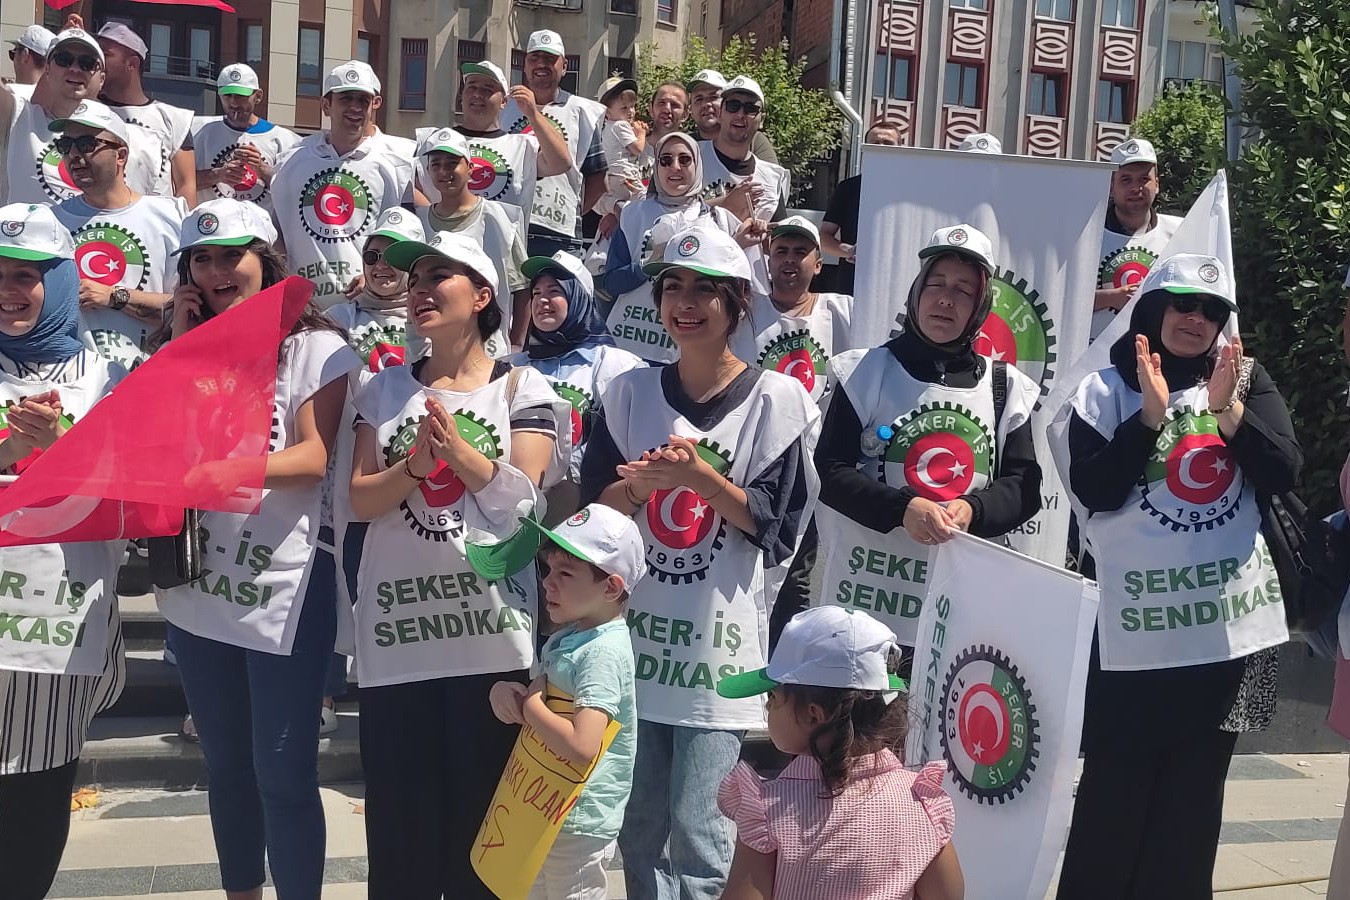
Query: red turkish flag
x=190, y=427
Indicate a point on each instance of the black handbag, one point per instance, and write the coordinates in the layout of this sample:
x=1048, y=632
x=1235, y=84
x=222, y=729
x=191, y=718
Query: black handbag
x=177, y=560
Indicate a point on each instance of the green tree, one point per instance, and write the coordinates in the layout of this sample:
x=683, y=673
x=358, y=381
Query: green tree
x=803, y=123
x=1186, y=126
x=1291, y=229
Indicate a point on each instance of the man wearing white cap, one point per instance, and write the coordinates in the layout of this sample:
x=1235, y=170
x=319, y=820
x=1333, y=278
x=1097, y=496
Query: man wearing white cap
x=705, y=102
x=733, y=177
x=839, y=230
x=981, y=142
x=239, y=150
x=34, y=171
x=561, y=200
x=506, y=166
x=330, y=189
x=124, y=55
x=123, y=240
x=1135, y=233
x=28, y=53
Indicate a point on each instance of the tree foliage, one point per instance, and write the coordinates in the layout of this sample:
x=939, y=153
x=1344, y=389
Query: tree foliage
x=1291, y=229
x=1186, y=126
x=803, y=123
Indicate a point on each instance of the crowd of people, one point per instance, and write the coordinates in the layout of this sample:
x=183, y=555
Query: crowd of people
x=689, y=429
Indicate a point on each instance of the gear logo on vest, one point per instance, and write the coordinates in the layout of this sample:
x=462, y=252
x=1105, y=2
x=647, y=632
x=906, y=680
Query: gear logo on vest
x=990, y=736
x=335, y=206
x=383, y=348
x=54, y=176
x=799, y=354
x=111, y=256
x=429, y=511
x=1125, y=267
x=250, y=187
x=686, y=531
x=66, y=421
x=582, y=404
x=1191, y=479
x=490, y=175
x=1019, y=330
x=941, y=450
x=523, y=126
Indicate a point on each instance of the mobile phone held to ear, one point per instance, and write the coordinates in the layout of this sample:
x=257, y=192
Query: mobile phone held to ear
x=205, y=311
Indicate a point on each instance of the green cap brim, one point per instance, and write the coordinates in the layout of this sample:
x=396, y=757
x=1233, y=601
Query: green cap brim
x=555, y=538
x=218, y=242
x=405, y=254
x=537, y=265
x=1190, y=290
x=28, y=255
x=963, y=252
x=652, y=269
x=444, y=149
x=469, y=68
x=392, y=235
x=495, y=561
x=239, y=90
x=752, y=684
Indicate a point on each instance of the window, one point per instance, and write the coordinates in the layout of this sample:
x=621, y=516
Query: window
x=619, y=65
x=309, y=66
x=1113, y=102
x=161, y=47
x=1185, y=59
x=962, y=85
x=365, y=48
x=569, y=80
x=199, y=53
x=517, y=67
x=623, y=7
x=665, y=11
x=891, y=76
x=251, y=43
x=1046, y=96
x=412, y=92
x=968, y=4
x=1062, y=10
x=1120, y=13
x=1216, y=69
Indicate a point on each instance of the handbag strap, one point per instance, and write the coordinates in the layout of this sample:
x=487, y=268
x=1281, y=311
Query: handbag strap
x=1244, y=382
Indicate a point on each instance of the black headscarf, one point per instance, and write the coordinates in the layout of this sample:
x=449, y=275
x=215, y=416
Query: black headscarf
x=1181, y=372
x=934, y=362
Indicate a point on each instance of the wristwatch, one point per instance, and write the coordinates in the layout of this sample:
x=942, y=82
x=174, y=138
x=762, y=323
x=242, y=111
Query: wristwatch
x=120, y=298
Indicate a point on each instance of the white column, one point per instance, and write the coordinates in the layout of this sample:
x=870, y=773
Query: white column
x=283, y=58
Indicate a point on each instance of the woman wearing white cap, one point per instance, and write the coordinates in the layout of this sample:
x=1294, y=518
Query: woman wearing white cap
x=50, y=689
x=1167, y=450
x=452, y=443
x=254, y=636
x=713, y=458
x=923, y=438
x=673, y=203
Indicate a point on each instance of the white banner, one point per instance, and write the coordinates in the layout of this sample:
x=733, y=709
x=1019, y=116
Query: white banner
x=1045, y=218
x=997, y=690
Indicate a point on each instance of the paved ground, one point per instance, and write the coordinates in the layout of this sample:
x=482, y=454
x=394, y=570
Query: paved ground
x=1280, y=823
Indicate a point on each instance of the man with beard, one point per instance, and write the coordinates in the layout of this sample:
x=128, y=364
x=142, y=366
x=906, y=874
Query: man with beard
x=560, y=200
x=240, y=149
x=705, y=98
x=1135, y=233
x=733, y=176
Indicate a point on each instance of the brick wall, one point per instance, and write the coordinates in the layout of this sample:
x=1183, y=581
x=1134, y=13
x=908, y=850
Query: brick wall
x=744, y=18
x=810, y=26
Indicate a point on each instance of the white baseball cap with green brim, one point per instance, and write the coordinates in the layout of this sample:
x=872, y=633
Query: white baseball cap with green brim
x=487, y=70
x=353, y=75
x=710, y=77
x=92, y=114
x=829, y=647
x=707, y=252
x=446, y=140
x=797, y=226
x=447, y=245
x=397, y=224
x=963, y=240
x=1190, y=273
x=561, y=263
x=547, y=42
x=239, y=80
x=596, y=534
x=225, y=222
x=30, y=231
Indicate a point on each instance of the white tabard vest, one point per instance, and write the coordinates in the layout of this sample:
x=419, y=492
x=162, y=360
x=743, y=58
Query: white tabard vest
x=1126, y=259
x=1185, y=574
x=128, y=247
x=380, y=339
x=256, y=568
x=506, y=169
x=634, y=322
x=214, y=142
x=942, y=444
x=490, y=226
x=36, y=173
x=421, y=611
x=701, y=612
x=557, y=198
x=55, y=598
x=800, y=346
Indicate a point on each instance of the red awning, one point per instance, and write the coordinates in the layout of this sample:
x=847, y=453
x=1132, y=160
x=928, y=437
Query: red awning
x=214, y=4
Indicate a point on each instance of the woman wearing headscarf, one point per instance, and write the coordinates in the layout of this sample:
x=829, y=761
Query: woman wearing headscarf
x=673, y=203
x=62, y=663
x=925, y=438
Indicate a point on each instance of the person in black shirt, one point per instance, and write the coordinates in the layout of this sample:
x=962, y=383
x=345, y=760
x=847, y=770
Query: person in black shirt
x=839, y=230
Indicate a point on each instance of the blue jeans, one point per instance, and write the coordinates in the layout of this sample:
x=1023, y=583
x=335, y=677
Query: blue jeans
x=675, y=843
x=258, y=717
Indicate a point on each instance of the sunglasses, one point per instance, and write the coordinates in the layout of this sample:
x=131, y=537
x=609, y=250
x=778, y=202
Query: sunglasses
x=1212, y=308
x=12, y=52
x=684, y=159
x=65, y=59
x=734, y=106
x=372, y=257
x=85, y=144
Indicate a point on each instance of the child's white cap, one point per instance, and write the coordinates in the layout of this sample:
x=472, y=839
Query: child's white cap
x=827, y=646
x=603, y=537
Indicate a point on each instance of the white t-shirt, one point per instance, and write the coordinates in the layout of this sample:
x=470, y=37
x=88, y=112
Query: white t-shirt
x=614, y=140
x=326, y=204
x=256, y=567
x=128, y=247
x=172, y=123
x=215, y=140
x=557, y=198
x=1126, y=259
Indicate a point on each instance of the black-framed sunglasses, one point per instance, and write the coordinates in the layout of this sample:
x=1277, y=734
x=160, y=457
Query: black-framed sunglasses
x=372, y=257
x=1212, y=308
x=85, y=144
x=12, y=52
x=65, y=59
x=669, y=159
x=750, y=107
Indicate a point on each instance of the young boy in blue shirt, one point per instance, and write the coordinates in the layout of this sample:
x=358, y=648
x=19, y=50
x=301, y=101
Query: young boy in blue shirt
x=594, y=559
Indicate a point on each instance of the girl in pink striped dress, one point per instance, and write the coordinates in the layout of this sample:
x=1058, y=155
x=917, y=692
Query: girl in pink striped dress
x=845, y=820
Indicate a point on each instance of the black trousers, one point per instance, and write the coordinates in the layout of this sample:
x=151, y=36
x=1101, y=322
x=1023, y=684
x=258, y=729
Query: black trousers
x=1146, y=822
x=34, y=824
x=432, y=753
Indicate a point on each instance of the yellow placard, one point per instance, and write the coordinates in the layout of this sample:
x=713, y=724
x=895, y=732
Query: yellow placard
x=537, y=790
